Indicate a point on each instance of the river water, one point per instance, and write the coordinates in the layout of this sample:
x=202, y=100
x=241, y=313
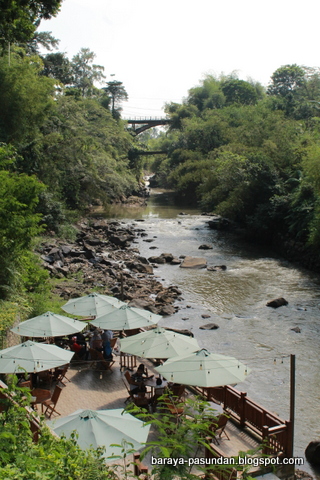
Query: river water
x=235, y=299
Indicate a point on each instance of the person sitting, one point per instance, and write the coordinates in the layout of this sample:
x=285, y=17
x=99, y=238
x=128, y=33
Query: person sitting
x=75, y=347
x=137, y=380
x=96, y=341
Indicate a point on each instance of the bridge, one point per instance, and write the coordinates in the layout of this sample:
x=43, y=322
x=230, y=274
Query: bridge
x=140, y=124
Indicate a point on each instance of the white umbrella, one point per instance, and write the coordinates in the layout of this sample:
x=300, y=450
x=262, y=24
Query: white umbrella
x=204, y=369
x=159, y=343
x=101, y=428
x=48, y=325
x=32, y=357
x=126, y=318
x=92, y=305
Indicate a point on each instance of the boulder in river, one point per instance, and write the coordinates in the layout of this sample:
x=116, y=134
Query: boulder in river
x=193, y=262
x=312, y=453
x=277, y=302
x=205, y=246
x=217, y=268
x=209, y=326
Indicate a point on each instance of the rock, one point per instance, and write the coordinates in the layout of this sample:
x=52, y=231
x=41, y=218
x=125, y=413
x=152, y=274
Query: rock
x=301, y=475
x=296, y=329
x=167, y=310
x=277, y=302
x=205, y=246
x=148, y=240
x=175, y=261
x=167, y=256
x=219, y=223
x=159, y=259
x=193, y=262
x=209, y=326
x=121, y=240
x=205, y=315
x=217, y=268
x=312, y=453
x=185, y=318
x=140, y=267
x=183, y=332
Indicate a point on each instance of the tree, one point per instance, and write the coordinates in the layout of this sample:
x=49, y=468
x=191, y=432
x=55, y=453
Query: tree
x=85, y=73
x=20, y=18
x=58, y=66
x=19, y=224
x=25, y=98
x=117, y=92
x=286, y=80
x=239, y=91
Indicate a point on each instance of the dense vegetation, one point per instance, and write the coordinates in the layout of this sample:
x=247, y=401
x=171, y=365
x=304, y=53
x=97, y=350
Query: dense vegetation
x=63, y=145
x=250, y=154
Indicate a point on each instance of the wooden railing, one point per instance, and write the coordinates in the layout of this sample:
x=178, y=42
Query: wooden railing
x=275, y=433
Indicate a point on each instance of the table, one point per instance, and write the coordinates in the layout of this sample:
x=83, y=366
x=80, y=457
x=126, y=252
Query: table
x=152, y=382
x=39, y=395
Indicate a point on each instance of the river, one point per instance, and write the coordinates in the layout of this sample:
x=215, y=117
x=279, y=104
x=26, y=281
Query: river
x=235, y=299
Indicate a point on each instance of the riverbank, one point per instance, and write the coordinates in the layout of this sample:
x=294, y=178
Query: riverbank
x=104, y=258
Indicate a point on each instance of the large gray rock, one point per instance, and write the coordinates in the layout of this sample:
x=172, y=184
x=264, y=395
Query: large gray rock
x=193, y=262
x=209, y=326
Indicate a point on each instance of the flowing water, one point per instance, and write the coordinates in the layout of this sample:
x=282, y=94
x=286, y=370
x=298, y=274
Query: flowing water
x=235, y=299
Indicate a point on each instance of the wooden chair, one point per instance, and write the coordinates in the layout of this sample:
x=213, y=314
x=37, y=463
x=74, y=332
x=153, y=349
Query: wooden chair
x=25, y=384
x=178, y=391
x=113, y=342
x=141, y=399
x=61, y=374
x=139, y=468
x=50, y=405
x=171, y=406
x=218, y=427
x=98, y=360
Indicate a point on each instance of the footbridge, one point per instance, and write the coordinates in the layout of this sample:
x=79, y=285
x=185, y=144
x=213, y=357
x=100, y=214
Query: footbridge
x=140, y=124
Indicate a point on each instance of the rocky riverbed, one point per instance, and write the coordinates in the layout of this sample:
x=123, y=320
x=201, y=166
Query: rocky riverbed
x=104, y=257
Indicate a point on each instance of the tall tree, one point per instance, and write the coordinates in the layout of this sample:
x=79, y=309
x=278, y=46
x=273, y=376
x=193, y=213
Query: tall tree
x=19, y=19
x=117, y=93
x=85, y=72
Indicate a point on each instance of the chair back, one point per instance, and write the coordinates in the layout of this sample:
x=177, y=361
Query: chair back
x=56, y=394
x=127, y=387
x=222, y=421
x=128, y=377
x=177, y=390
x=113, y=341
x=25, y=384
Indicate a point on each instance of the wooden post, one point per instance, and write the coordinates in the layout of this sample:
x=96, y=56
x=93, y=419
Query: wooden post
x=243, y=409
x=292, y=399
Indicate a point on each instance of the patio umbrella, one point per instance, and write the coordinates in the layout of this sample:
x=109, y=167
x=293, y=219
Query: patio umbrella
x=102, y=428
x=204, y=369
x=92, y=305
x=48, y=325
x=159, y=343
x=32, y=357
x=126, y=318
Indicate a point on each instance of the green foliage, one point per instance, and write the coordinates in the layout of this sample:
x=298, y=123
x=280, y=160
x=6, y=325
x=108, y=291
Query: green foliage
x=178, y=438
x=25, y=98
x=20, y=18
x=50, y=458
x=239, y=91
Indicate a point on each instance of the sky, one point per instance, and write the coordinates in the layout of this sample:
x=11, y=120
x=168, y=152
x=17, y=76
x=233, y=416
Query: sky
x=161, y=49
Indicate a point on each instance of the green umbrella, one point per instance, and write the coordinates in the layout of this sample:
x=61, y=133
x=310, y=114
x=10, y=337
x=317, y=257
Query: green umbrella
x=159, y=343
x=32, y=357
x=92, y=305
x=49, y=325
x=204, y=369
x=101, y=428
x=126, y=318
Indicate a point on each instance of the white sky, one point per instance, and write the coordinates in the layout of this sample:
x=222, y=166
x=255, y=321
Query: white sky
x=159, y=50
